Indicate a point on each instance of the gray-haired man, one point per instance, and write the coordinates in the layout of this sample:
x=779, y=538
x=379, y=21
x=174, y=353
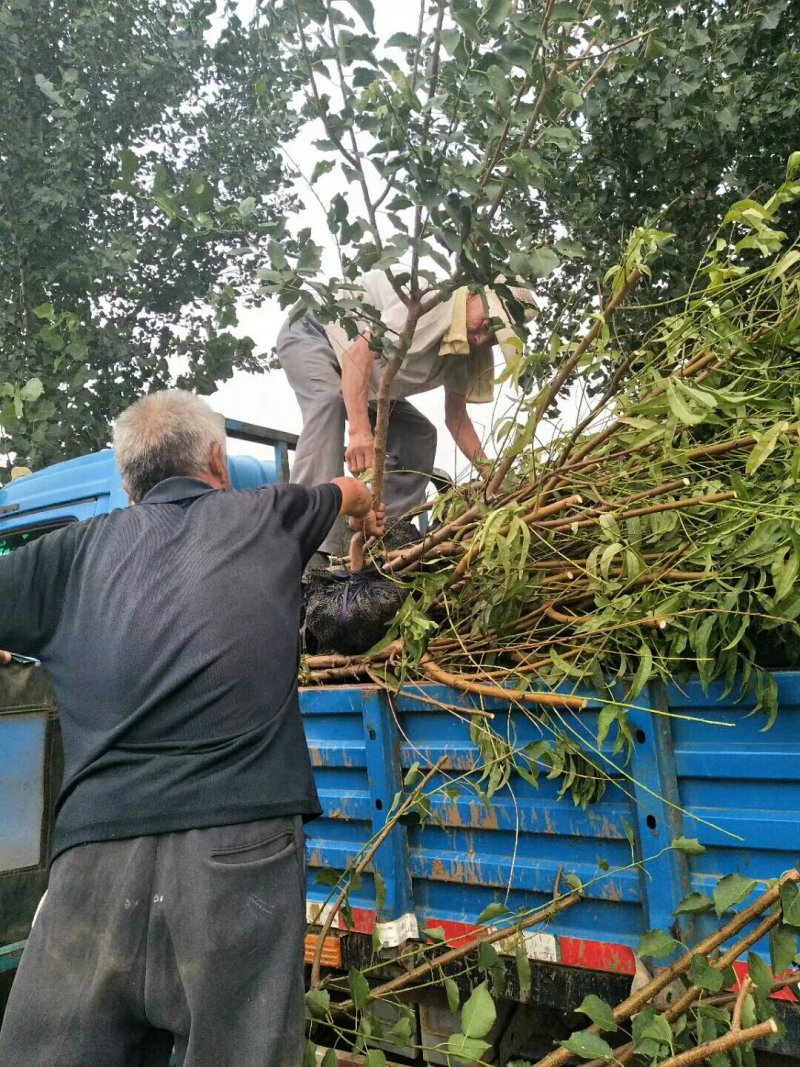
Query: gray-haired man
x=175, y=911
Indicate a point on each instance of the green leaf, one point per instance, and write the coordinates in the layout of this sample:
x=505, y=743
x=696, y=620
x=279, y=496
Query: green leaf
x=328, y=876
x=479, y=1013
x=790, y=903
x=680, y=408
x=380, y=891
x=793, y=166
x=523, y=969
x=760, y=973
x=705, y=976
x=643, y=671
x=435, y=934
x=492, y=911
x=359, y=987
x=487, y=956
x=656, y=943
x=608, y=715
x=690, y=845
x=32, y=389
x=407, y=41
x=570, y=249
x=496, y=12
x=322, y=166
x=731, y=890
x=565, y=12
x=318, y=1002
x=453, y=996
x=782, y=947
x=310, y=1055
x=650, y=1025
x=129, y=164
x=599, y=1012
x=247, y=207
x=412, y=775
x=466, y=1048
x=588, y=1046
x=535, y=264
x=694, y=902
x=765, y=446
x=375, y=1058
x=330, y=1059
x=44, y=311
x=402, y=1031
x=366, y=11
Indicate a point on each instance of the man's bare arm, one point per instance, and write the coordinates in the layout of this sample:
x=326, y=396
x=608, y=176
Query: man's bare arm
x=462, y=430
x=357, y=504
x=357, y=365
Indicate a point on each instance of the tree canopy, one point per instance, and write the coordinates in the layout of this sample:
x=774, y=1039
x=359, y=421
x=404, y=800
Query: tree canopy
x=142, y=193
x=99, y=286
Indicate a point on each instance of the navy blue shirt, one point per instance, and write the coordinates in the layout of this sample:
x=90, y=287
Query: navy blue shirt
x=169, y=632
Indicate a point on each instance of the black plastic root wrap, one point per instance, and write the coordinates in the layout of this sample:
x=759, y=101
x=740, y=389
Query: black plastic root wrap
x=349, y=613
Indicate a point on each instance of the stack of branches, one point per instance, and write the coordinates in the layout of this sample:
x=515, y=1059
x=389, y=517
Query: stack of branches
x=689, y=1013
x=657, y=537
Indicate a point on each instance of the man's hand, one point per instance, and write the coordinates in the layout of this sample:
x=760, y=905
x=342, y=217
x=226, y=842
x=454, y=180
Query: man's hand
x=373, y=524
x=5, y=657
x=360, y=452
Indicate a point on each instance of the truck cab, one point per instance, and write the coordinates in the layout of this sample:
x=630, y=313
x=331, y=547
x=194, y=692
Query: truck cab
x=82, y=488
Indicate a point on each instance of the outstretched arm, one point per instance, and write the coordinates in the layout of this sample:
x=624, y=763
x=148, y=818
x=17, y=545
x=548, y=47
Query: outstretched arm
x=357, y=504
x=462, y=430
x=357, y=364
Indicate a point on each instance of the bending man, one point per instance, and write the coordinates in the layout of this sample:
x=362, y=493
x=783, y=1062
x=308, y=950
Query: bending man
x=175, y=912
x=335, y=380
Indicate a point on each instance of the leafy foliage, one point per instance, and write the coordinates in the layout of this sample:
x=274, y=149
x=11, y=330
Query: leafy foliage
x=696, y=113
x=99, y=288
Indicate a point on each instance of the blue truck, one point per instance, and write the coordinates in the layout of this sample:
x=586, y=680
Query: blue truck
x=700, y=768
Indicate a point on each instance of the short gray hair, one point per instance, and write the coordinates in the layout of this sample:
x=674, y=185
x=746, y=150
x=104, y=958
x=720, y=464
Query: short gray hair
x=165, y=435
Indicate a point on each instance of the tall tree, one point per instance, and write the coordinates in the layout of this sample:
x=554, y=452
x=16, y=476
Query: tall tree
x=98, y=287
x=703, y=110
x=533, y=138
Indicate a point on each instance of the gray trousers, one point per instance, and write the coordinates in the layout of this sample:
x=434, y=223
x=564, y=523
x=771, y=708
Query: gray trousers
x=193, y=939
x=314, y=374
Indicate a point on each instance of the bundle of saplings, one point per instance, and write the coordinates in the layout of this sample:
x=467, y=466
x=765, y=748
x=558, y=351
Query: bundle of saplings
x=659, y=534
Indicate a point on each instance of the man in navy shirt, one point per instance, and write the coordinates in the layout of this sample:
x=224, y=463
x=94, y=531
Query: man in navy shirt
x=175, y=911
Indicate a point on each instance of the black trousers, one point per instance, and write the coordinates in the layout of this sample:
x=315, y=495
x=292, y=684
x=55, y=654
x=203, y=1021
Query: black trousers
x=190, y=939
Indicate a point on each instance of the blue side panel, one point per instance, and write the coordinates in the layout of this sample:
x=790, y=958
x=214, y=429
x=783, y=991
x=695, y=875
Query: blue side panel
x=514, y=849
x=739, y=784
x=22, y=739
x=334, y=725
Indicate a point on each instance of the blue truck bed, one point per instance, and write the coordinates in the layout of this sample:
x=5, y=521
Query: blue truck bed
x=701, y=767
